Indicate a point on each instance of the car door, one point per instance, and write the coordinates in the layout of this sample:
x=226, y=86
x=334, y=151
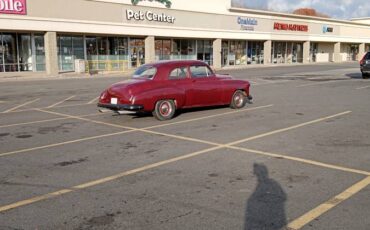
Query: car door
x=205, y=86
x=182, y=84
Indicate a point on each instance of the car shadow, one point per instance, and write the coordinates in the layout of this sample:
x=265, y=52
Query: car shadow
x=179, y=112
x=265, y=208
x=354, y=75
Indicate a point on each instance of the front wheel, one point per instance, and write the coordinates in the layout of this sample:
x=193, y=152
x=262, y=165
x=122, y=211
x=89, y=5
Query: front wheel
x=164, y=110
x=238, y=100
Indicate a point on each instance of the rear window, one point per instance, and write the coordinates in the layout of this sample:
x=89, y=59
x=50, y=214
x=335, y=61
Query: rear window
x=145, y=71
x=368, y=56
x=179, y=73
x=200, y=71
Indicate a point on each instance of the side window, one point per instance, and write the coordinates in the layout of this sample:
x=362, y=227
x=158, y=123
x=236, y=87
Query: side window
x=179, y=73
x=200, y=71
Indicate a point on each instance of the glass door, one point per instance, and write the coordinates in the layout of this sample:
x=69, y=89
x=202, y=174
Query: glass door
x=224, y=53
x=10, y=52
x=137, y=52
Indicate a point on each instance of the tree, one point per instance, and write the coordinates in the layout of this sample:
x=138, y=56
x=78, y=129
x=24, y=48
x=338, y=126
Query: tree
x=309, y=12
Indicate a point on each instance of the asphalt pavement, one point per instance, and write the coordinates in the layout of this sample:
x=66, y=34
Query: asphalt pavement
x=298, y=157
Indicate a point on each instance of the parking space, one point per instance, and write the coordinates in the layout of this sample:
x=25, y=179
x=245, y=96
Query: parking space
x=302, y=143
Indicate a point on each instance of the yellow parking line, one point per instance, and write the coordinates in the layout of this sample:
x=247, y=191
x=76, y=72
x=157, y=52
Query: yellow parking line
x=88, y=120
x=19, y=106
x=64, y=143
x=62, y=106
x=35, y=199
x=302, y=160
x=82, y=139
x=365, y=87
x=141, y=169
x=333, y=202
x=101, y=181
x=207, y=117
x=290, y=128
x=60, y=102
x=322, y=83
x=93, y=100
x=47, y=120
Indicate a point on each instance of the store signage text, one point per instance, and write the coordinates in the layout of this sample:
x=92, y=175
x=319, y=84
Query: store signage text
x=291, y=27
x=150, y=16
x=326, y=29
x=167, y=3
x=13, y=7
x=247, y=23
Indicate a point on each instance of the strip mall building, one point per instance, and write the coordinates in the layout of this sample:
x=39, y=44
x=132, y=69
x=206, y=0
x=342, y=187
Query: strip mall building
x=49, y=36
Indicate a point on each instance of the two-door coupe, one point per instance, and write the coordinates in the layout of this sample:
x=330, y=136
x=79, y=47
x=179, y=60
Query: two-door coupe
x=166, y=86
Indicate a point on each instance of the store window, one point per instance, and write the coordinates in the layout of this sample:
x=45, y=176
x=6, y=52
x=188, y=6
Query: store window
x=21, y=52
x=111, y=53
x=183, y=49
x=137, y=52
x=352, y=51
x=205, y=51
x=234, y=52
x=70, y=48
x=314, y=47
x=287, y=52
x=163, y=49
x=255, y=52
x=39, y=52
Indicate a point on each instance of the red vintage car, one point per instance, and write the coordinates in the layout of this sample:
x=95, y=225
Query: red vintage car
x=164, y=87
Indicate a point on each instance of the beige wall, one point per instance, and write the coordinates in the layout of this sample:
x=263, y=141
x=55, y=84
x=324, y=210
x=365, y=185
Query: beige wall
x=198, y=24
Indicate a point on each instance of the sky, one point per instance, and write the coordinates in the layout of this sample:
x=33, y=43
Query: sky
x=340, y=9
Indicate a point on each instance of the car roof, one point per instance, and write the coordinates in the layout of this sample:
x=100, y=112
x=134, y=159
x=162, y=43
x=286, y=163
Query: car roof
x=172, y=63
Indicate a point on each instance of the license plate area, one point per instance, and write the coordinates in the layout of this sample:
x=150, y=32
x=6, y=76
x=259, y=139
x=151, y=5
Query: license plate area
x=114, y=101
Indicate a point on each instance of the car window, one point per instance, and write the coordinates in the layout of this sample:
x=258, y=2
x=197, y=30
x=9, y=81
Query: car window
x=179, y=73
x=145, y=71
x=199, y=71
x=368, y=56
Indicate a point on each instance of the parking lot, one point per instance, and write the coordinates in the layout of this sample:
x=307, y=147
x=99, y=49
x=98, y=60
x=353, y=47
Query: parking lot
x=298, y=157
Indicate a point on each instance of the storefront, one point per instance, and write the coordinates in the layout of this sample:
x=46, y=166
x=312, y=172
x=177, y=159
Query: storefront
x=21, y=52
x=184, y=49
x=241, y=52
x=287, y=52
x=116, y=35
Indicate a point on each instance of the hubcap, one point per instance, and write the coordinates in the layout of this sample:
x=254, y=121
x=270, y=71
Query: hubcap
x=165, y=108
x=238, y=99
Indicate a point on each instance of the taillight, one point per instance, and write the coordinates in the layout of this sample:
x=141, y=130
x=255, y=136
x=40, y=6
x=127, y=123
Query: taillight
x=362, y=62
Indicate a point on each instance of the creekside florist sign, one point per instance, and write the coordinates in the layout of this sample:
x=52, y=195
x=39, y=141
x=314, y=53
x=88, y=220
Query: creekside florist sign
x=167, y=3
x=13, y=7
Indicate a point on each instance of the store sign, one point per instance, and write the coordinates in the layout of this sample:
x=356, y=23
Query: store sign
x=247, y=23
x=290, y=27
x=149, y=16
x=326, y=29
x=13, y=7
x=167, y=3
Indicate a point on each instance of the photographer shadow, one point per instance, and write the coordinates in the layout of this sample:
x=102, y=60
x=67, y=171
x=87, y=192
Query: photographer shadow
x=265, y=209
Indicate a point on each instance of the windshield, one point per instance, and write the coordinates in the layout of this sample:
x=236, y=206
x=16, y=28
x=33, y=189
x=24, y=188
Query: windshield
x=145, y=71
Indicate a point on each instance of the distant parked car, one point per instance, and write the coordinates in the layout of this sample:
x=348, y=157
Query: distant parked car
x=164, y=87
x=365, y=65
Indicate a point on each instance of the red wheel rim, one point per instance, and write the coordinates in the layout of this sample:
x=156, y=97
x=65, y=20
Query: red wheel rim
x=165, y=108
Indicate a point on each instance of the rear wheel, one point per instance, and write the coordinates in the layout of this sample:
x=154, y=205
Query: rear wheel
x=164, y=110
x=238, y=100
